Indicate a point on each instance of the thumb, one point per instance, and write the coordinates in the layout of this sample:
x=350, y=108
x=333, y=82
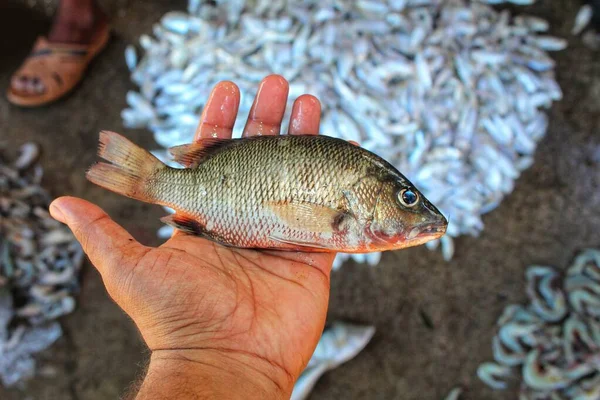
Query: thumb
x=110, y=247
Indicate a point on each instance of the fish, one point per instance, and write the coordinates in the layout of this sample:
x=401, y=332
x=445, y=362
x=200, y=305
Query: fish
x=339, y=343
x=582, y=19
x=295, y=193
x=494, y=375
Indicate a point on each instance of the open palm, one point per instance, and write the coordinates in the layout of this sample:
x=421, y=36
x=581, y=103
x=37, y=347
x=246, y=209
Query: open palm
x=192, y=298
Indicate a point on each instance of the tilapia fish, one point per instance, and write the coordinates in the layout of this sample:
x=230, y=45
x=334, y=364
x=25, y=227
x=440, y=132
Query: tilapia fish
x=301, y=193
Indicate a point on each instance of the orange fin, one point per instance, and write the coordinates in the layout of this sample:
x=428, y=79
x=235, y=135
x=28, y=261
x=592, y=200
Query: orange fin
x=185, y=224
x=308, y=216
x=191, y=155
x=130, y=170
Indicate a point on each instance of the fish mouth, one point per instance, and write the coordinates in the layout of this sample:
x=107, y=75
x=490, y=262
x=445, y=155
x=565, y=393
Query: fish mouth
x=436, y=224
x=421, y=234
x=432, y=231
x=434, y=228
x=424, y=233
x=416, y=236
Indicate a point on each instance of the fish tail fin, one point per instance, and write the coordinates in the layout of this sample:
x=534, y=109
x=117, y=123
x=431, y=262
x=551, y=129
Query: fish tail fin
x=130, y=170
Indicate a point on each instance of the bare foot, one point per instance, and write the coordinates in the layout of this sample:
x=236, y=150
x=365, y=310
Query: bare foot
x=75, y=22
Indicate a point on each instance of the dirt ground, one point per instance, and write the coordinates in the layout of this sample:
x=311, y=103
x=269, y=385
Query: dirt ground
x=553, y=212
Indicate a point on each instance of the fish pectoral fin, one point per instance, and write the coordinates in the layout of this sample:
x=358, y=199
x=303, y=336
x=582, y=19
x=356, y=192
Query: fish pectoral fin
x=300, y=245
x=308, y=216
x=191, y=155
x=184, y=223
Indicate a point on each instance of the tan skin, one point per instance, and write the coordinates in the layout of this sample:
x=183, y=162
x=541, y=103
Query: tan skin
x=220, y=322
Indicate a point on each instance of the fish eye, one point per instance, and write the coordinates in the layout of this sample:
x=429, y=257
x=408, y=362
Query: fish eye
x=408, y=198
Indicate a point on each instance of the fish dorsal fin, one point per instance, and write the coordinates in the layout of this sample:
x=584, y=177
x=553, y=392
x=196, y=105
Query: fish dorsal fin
x=191, y=155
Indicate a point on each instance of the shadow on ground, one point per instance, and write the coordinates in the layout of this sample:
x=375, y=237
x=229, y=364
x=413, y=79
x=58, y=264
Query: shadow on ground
x=553, y=212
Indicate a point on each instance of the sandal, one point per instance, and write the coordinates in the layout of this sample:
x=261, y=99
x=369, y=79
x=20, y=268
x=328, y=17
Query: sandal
x=59, y=66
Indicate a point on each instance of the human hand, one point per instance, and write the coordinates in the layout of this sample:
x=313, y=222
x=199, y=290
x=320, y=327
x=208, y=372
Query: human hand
x=221, y=322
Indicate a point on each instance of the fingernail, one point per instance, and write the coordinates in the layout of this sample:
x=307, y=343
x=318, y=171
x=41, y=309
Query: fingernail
x=40, y=88
x=57, y=213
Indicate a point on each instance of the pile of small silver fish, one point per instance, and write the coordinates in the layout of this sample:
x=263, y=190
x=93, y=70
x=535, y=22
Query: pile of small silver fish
x=554, y=341
x=339, y=343
x=451, y=92
x=39, y=266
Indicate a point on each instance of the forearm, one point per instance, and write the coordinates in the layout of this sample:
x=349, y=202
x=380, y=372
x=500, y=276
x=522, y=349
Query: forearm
x=201, y=375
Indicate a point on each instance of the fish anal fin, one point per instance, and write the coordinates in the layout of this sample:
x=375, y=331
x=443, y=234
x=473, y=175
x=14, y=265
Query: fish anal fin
x=191, y=155
x=307, y=216
x=184, y=223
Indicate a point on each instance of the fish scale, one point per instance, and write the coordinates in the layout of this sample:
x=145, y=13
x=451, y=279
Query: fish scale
x=300, y=192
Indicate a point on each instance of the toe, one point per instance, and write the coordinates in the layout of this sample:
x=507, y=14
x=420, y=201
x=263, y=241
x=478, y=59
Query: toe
x=31, y=85
x=38, y=85
x=19, y=83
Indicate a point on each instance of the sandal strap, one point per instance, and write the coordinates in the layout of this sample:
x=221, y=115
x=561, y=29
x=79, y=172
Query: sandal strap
x=43, y=47
x=67, y=52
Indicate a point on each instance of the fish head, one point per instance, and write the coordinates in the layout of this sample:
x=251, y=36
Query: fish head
x=403, y=217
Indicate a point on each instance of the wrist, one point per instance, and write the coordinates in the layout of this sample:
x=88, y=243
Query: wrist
x=212, y=374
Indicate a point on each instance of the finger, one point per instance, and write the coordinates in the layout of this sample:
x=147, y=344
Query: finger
x=353, y=142
x=107, y=244
x=306, y=116
x=220, y=111
x=268, y=108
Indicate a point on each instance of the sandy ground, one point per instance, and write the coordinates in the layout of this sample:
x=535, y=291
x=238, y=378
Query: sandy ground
x=553, y=212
